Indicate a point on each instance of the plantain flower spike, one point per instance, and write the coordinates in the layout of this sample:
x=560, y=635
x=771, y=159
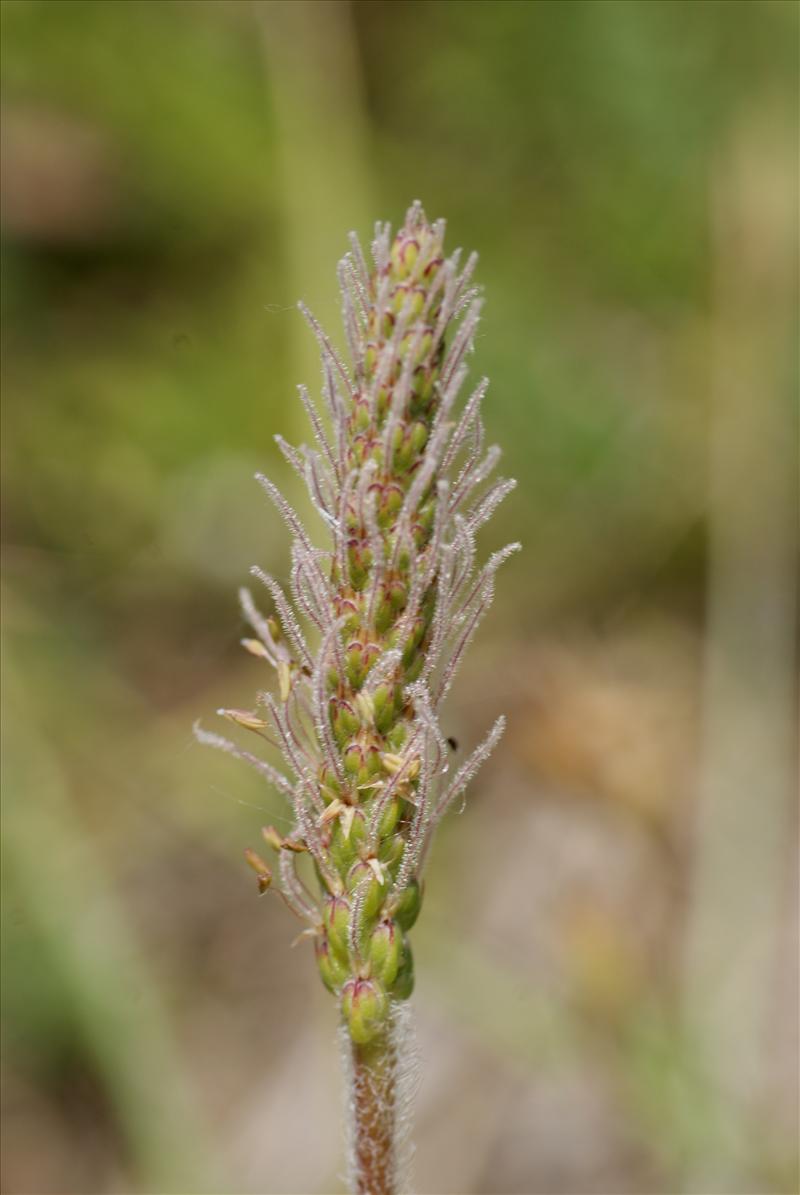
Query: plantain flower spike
x=366, y=644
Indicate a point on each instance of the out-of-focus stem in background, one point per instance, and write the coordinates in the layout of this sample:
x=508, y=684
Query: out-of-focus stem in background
x=745, y=832
x=114, y=998
x=314, y=81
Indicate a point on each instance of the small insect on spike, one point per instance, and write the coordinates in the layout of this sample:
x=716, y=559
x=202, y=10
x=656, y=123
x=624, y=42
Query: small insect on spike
x=467, y=770
x=366, y=636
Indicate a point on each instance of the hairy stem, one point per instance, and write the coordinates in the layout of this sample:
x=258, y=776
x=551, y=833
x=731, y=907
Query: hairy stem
x=373, y=1099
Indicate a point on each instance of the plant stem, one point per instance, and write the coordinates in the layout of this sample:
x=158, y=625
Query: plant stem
x=374, y=1069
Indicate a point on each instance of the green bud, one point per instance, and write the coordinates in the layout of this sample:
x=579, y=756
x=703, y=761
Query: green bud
x=372, y=763
x=397, y=438
x=390, y=852
x=384, y=615
x=399, y=297
x=359, y=658
x=407, y=909
x=418, y=437
x=404, y=254
x=333, y=971
x=414, y=669
x=336, y=920
x=361, y=416
x=345, y=722
x=329, y=786
x=384, y=952
x=374, y=891
x=353, y=759
x=370, y=359
x=364, y=1008
x=398, y=595
x=349, y=610
x=382, y=696
x=390, y=818
x=359, y=562
x=347, y=836
x=404, y=983
x=382, y=401
x=421, y=346
x=391, y=501
x=424, y=389
x=396, y=737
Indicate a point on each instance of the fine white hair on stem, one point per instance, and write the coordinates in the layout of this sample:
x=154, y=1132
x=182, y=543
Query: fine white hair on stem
x=392, y=1093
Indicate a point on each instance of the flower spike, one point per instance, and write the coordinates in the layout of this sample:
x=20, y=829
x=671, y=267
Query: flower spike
x=368, y=635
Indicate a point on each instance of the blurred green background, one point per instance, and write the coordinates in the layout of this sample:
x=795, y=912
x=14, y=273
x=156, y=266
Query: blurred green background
x=607, y=965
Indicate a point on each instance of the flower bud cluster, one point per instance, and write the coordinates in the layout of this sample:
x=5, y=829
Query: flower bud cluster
x=401, y=481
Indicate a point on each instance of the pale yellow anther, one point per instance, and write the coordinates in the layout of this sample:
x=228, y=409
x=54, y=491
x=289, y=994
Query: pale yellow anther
x=284, y=680
x=272, y=837
x=392, y=763
x=244, y=718
x=256, y=648
x=334, y=809
x=365, y=706
x=363, y=788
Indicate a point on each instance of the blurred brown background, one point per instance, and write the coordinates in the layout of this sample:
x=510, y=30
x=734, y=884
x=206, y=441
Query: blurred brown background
x=607, y=964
